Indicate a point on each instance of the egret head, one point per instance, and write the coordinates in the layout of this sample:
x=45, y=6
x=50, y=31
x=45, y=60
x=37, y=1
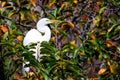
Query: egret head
x=43, y=22
x=43, y=28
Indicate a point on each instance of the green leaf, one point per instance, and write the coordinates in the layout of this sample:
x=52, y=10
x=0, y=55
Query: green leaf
x=102, y=10
x=65, y=50
x=11, y=13
x=63, y=32
x=5, y=36
x=75, y=53
x=7, y=54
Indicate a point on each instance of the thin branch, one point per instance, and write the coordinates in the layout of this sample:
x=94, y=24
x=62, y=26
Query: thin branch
x=17, y=23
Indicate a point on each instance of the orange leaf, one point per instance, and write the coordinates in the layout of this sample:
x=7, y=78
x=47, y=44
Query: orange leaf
x=63, y=26
x=20, y=38
x=111, y=43
x=56, y=31
x=102, y=70
x=33, y=2
x=93, y=78
x=70, y=24
x=84, y=17
x=1, y=9
x=69, y=78
x=99, y=2
x=92, y=36
x=3, y=28
x=18, y=77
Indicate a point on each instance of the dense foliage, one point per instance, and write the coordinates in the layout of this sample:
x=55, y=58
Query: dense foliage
x=85, y=42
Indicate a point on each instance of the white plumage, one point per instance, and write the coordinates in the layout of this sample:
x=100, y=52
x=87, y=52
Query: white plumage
x=35, y=36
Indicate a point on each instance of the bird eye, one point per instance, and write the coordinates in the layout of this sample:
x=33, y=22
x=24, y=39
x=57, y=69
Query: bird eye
x=48, y=20
x=42, y=33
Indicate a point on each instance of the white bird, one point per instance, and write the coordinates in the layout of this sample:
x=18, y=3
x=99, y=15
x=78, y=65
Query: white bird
x=35, y=36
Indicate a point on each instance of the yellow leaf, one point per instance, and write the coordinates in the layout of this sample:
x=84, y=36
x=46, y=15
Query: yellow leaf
x=89, y=61
x=64, y=4
x=114, y=68
x=3, y=4
x=31, y=73
x=9, y=7
x=100, y=56
x=11, y=13
x=75, y=1
x=108, y=61
x=22, y=15
x=51, y=2
x=20, y=38
x=53, y=39
x=72, y=42
x=33, y=2
x=36, y=78
x=97, y=20
x=102, y=70
x=102, y=33
x=101, y=10
x=82, y=53
x=33, y=17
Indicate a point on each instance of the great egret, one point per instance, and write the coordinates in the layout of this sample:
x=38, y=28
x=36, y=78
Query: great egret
x=35, y=36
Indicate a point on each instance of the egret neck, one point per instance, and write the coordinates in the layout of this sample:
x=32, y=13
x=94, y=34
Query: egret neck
x=46, y=31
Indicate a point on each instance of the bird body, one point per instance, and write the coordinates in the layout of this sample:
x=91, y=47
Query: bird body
x=35, y=36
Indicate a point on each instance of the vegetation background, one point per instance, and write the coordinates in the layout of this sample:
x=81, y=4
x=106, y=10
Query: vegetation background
x=85, y=43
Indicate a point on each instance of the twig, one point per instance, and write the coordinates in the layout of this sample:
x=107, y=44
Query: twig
x=18, y=23
x=40, y=4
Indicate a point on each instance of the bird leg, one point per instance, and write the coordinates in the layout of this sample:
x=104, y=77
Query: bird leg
x=38, y=51
x=36, y=54
x=26, y=69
